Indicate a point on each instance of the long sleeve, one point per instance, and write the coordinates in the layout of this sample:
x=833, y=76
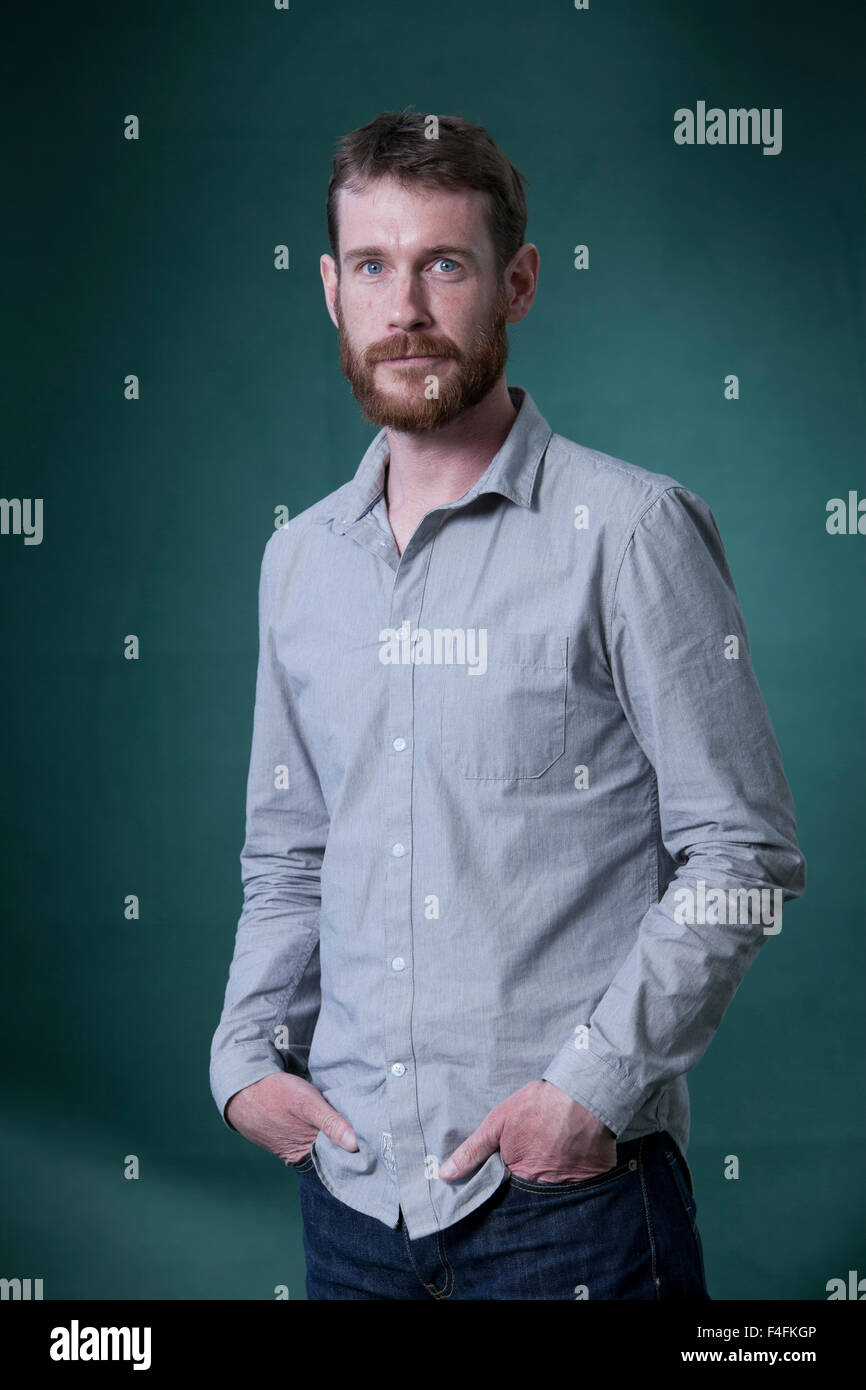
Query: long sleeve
x=682, y=671
x=273, y=996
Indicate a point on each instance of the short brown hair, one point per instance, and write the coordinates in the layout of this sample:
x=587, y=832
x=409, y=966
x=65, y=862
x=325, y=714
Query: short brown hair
x=464, y=156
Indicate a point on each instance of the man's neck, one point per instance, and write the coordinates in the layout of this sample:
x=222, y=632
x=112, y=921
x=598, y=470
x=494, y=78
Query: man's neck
x=433, y=467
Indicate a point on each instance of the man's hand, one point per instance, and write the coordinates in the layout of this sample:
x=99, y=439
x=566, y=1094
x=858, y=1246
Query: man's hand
x=542, y=1134
x=284, y=1113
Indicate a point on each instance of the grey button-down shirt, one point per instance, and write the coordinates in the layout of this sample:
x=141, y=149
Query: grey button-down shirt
x=515, y=810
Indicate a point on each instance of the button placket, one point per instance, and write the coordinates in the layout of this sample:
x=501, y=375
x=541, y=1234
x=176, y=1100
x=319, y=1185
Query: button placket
x=398, y=751
x=406, y=697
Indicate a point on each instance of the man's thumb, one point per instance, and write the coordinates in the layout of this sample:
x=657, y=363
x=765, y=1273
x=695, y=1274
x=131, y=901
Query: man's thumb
x=483, y=1142
x=332, y=1123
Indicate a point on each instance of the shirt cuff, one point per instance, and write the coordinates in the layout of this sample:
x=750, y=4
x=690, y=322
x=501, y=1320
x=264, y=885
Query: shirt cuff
x=229, y=1078
x=605, y=1091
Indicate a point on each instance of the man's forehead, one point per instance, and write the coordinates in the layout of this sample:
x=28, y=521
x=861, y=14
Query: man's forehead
x=387, y=202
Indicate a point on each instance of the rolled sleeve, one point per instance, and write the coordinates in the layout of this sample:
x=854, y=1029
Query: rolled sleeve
x=682, y=671
x=273, y=995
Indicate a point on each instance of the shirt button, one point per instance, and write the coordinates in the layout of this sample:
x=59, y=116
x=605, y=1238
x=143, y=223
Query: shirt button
x=397, y=850
x=399, y=744
x=398, y=1069
x=398, y=963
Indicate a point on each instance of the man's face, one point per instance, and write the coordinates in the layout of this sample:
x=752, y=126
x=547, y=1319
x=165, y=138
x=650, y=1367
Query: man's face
x=419, y=308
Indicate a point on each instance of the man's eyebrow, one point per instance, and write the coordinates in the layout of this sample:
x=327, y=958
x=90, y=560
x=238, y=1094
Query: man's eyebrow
x=377, y=253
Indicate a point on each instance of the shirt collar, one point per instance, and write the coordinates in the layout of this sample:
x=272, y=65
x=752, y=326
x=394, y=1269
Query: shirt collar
x=510, y=472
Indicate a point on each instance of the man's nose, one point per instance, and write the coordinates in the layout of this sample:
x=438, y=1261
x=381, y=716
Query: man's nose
x=408, y=306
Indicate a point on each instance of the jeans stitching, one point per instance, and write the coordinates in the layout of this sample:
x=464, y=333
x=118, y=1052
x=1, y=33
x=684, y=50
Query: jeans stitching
x=649, y=1220
x=690, y=1217
x=449, y=1272
x=431, y=1288
x=673, y=1147
x=409, y=1250
x=671, y=1157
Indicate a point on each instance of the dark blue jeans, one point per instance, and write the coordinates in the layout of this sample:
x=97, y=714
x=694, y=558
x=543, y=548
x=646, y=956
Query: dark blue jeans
x=629, y=1233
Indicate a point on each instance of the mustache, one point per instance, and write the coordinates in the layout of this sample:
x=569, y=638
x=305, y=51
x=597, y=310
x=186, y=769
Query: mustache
x=392, y=349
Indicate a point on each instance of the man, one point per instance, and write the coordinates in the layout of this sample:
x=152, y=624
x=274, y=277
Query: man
x=508, y=744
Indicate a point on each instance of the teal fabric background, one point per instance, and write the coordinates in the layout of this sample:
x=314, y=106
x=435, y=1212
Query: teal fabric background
x=155, y=256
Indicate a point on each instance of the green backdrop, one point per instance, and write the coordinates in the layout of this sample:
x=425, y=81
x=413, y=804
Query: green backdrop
x=155, y=257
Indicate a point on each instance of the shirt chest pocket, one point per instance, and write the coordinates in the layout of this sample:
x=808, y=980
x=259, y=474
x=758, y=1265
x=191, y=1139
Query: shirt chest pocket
x=506, y=720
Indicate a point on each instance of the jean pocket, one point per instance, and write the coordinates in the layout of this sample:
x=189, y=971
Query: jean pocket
x=576, y=1185
x=507, y=721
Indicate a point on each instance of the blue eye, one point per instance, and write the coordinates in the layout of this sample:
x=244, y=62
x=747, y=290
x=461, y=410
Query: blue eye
x=366, y=263
x=447, y=261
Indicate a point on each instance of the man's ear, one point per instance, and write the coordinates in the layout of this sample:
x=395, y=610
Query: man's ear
x=522, y=278
x=328, y=268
